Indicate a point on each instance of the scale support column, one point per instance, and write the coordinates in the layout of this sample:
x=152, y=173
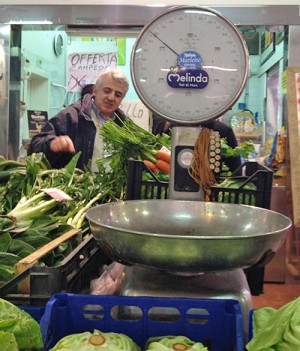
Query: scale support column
x=181, y=185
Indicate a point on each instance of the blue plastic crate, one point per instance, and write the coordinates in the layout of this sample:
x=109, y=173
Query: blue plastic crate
x=250, y=333
x=35, y=312
x=217, y=323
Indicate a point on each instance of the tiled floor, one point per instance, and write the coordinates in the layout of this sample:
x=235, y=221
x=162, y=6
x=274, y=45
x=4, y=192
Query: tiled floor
x=276, y=295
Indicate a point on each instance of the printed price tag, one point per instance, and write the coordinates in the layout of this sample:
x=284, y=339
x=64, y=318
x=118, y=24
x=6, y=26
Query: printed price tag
x=57, y=194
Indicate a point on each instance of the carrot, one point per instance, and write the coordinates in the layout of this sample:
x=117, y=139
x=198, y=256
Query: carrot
x=163, y=166
x=163, y=155
x=152, y=166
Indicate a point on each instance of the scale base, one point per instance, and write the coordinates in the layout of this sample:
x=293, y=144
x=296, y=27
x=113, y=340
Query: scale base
x=142, y=281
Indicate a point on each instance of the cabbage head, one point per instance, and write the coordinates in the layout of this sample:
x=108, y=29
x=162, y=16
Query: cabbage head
x=8, y=341
x=174, y=343
x=24, y=329
x=96, y=341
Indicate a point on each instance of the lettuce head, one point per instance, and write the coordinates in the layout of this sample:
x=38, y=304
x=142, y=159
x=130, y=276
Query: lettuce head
x=8, y=342
x=18, y=325
x=174, y=343
x=276, y=329
x=96, y=341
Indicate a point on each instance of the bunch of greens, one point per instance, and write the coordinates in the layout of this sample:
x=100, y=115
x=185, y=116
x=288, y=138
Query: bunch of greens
x=275, y=330
x=18, y=330
x=128, y=141
x=25, y=195
x=96, y=341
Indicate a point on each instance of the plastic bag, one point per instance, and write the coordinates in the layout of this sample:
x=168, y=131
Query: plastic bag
x=110, y=281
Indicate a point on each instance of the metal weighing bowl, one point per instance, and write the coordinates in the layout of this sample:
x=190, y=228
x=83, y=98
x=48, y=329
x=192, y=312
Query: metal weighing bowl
x=187, y=236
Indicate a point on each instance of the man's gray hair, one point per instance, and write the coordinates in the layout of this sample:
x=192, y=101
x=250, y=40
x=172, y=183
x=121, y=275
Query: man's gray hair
x=116, y=74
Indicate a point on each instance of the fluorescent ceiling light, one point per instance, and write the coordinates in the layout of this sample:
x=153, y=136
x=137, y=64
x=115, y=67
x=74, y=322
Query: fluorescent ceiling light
x=96, y=31
x=157, y=5
x=29, y=22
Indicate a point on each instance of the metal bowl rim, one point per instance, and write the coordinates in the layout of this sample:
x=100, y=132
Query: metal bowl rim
x=189, y=237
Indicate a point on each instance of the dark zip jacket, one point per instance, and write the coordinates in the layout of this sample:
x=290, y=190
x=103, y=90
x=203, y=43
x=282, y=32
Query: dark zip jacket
x=76, y=122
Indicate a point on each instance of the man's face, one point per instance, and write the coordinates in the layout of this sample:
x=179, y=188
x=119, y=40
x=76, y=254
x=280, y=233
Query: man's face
x=108, y=96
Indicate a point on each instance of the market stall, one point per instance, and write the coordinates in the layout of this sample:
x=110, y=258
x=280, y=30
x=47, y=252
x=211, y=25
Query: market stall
x=203, y=269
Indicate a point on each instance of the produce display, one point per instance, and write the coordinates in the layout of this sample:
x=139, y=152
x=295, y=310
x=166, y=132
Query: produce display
x=120, y=342
x=18, y=330
x=39, y=204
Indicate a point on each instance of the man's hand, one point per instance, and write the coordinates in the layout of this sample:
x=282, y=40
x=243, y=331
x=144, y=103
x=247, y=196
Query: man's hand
x=62, y=144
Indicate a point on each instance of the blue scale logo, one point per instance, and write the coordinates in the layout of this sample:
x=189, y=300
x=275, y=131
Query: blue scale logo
x=188, y=73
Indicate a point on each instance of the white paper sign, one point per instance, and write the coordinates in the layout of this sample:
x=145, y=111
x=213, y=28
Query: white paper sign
x=84, y=68
x=137, y=111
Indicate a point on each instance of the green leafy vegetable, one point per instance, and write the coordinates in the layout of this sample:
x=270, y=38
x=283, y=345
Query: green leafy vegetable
x=31, y=218
x=25, y=329
x=244, y=149
x=174, y=343
x=275, y=330
x=96, y=341
x=8, y=341
x=125, y=142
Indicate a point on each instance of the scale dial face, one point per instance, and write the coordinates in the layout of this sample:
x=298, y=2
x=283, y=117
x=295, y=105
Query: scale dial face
x=189, y=65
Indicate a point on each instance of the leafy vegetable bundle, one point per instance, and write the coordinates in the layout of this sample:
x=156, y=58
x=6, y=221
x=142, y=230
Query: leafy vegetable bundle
x=130, y=141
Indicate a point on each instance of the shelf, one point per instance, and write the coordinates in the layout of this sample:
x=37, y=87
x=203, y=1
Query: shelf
x=255, y=136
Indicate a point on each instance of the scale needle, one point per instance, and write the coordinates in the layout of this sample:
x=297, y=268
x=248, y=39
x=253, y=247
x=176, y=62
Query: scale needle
x=164, y=43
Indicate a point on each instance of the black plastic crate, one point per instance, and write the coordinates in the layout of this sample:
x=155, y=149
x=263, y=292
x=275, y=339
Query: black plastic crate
x=73, y=275
x=139, y=188
x=252, y=172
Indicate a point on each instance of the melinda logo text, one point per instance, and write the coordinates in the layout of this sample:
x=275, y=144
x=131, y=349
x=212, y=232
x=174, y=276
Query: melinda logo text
x=197, y=79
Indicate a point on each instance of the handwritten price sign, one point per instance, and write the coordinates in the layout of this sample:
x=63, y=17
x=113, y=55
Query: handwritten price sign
x=137, y=111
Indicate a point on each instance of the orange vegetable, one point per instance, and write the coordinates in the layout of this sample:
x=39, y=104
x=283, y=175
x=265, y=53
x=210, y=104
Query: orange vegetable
x=152, y=166
x=163, y=155
x=163, y=166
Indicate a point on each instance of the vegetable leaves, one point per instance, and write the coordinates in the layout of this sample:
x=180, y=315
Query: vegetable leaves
x=276, y=329
x=18, y=327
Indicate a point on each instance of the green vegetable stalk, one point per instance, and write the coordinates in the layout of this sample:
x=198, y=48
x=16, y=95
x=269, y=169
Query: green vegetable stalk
x=27, y=210
x=78, y=219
